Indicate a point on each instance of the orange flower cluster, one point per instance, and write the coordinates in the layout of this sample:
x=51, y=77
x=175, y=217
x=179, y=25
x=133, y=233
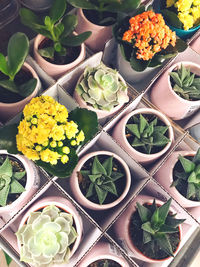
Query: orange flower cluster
x=149, y=34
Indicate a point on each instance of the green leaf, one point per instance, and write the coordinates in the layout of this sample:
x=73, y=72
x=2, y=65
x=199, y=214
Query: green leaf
x=110, y=188
x=187, y=164
x=75, y=40
x=8, y=258
x=107, y=164
x=193, y=178
x=133, y=128
x=138, y=64
x=196, y=158
x=58, y=30
x=70, y=22
x=94, y=177
x=164, y=243
x=16, y=187
x=57, y=10
x=90, y=191
x=9, y=85
x=29, y=19
x=8, y=138
x=19, y=175
x=3, y=65
x=176, y=78
x=155, y=220
x=144, y=213
x=137, y=142
x=143, y=123
x=125, y=6
x=47, y=52
x=159, y=139
x=146, y=237
x=97, y=167
x=6, y=169
x=116, y=175
x=191, y=191
x=4, y=193
x=147, y=227
x=173, y=222
x=167, y=229
x=180, y=46
x=164, y=210
x=102, y=194
x=27, y=88
x=172, y=18
x=84, y=4
x=161, y=129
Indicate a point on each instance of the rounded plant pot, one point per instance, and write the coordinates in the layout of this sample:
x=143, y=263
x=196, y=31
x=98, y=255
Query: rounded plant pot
x=9, y=110
x=100, y=34
x=65, y=205
x=196, y=44
x=32, y=184
x=164, y=97
x=79, y=196
x=37, y=5
x=102, y=251
x=101, y=114
x=165, y=177
x=122, y=229
x=54, y=70
x=120, y=135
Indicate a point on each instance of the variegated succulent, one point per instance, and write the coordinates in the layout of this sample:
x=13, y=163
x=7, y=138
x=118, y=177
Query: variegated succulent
x=102, y=88
x=46, y=237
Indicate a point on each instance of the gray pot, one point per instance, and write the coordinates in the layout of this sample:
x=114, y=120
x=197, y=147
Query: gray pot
x=8, y=11
x=37, y=5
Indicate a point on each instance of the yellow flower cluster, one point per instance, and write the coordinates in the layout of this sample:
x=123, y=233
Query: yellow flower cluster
x=45, y=133
x=188, y=11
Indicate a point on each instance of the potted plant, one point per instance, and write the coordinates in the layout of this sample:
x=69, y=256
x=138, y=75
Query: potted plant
x=142, y=46
x=146, y=134
x=180, y=176
x=102, y=90
x=177, y=92
x=18, y=81
x=56, y=49
x=50, y=232
x=49, y=135
x=19, y=180
x=100, y=180
x=149, y=229
x=184, y=19
x=102, y=254
x=98, y=17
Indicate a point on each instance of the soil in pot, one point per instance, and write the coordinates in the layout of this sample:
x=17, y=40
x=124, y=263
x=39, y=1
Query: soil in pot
x=104, y=263
x=84, y=182
x=102, y=19
x=21, y=77
x=72, y=53
x=136, y=236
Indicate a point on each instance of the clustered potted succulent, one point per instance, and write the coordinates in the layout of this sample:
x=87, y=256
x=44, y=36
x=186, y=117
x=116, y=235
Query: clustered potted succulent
x=100, y=180
x=180, y=176
x=146, y=134
x=56, y=49
x=98, y=17
x=179, y=95
x=102, y=90
x=18, y=81
x=149, y=229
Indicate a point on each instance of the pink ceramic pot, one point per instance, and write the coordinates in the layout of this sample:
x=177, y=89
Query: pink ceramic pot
x=196, y=44
x=164, y=97
x=165, y=177
x=65, y=205
x=100, y=113
x=119, y=135
x=32, y=184
x=122, y=228
x=9, y=110
x=102, y=251
x=54, y=70
x=100, y=34
x=77, y=191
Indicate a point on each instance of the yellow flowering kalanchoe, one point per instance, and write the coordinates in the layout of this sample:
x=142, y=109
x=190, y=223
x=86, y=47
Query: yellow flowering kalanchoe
x=45, y=132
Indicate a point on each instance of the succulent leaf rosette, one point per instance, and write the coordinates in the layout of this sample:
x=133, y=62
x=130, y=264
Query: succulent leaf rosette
x=47, y=237
x=145, y=40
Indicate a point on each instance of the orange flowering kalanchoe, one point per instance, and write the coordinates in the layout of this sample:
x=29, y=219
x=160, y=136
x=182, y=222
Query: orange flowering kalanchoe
x=149, y=34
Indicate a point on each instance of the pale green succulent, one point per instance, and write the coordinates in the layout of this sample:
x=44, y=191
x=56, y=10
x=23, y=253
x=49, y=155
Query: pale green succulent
x=102, y=88
x=46, y=237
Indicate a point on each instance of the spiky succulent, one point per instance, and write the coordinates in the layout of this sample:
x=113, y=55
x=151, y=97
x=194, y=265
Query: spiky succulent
x=46, y=237
x=9, y=181
x=186, y=84
x=146, y=135
x=101, y=179
x=187, y=180
x=158, y=225
x=102, y=88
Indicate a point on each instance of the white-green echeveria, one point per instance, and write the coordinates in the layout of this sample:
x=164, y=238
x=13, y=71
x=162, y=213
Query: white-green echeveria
x=102, y=88
x=46, y=237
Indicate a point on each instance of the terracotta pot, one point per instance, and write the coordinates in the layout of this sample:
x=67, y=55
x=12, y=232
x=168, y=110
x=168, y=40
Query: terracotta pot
x=122, y=228
x=102, y=251
x=32, y=184
x=100, y=113
x=54, y=70
x=77, y=191
x=119, y=135
x=164, y=97
x=195, y=45
x=100, y=34
x=9, y=110
x=165, y=177
x=65, y=205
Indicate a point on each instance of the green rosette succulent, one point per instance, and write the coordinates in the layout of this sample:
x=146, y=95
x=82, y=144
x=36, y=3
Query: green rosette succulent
x=47, y=237
x=102, y=88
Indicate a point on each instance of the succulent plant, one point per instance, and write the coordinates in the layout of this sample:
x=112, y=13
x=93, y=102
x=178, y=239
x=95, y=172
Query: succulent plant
x=187, y=181
x=146, y=135
x=157, y=225
x=101, y=179
x=46, y=237
x=186, y=84
x=102, y=88
x=9, y=181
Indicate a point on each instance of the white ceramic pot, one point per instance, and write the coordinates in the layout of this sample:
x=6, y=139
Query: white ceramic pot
x=164, y=97
x=54, y=70
x=120, y=135
x=77, y=191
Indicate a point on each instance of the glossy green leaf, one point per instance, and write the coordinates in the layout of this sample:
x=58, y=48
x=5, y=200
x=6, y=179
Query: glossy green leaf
x=70, y=22
x=27, y=88
x=3, y=65
x=9, y=85
x=76, y=40
x=172, y=18
x=57, y=10
x=8, y=258
x=187, y=164
x=29, y=19
x=164, y=243
x=144, y=213
x=164, y=210
x=16, y=187
x=82, y=4
x=8, y=138
x=47, y=52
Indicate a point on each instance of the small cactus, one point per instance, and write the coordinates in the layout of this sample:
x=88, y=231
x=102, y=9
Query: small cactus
x=102, y=88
